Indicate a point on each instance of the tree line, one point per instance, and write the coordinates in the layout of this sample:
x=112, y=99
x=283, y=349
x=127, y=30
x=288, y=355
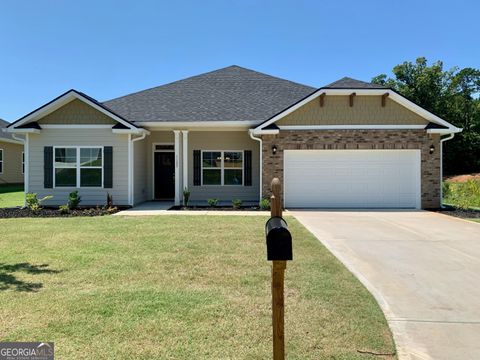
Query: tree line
x=453, y=95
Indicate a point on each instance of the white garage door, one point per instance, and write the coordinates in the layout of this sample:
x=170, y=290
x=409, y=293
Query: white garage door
x=352, y=178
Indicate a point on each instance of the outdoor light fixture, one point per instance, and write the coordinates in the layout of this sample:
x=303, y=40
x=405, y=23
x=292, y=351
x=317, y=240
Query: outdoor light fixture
x=274, y=149
x=432, y=149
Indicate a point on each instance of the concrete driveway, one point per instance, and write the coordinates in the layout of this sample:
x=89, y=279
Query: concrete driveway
x=423, y=268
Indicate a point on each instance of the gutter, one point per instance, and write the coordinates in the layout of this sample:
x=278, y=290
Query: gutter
x=449, y=137
x=131, y=177
x=251, y=133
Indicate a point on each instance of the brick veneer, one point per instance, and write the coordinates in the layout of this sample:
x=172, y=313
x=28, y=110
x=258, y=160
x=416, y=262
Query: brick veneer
x=357, y=139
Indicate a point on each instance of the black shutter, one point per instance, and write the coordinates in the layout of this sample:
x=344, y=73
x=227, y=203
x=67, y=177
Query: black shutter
x=48, y=167
x=248, y=167
x=107, y=167
x=197, y=168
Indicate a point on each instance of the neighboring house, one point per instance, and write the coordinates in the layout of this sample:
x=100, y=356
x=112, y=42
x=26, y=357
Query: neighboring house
x=11, y=157
x=225, y=134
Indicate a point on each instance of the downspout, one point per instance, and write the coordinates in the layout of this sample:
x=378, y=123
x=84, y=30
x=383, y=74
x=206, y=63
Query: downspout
x=261, y=160
x=449, y=137
x=26, y=171
x=131, y=174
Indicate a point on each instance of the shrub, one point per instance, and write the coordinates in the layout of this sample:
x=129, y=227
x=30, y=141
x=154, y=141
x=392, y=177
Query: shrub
x=73, y=200
x=64, y=209
x=446, y=189
x=265, y=204
x=237, y=203
x=212, y=202
x=186, y=196
x=34, y=203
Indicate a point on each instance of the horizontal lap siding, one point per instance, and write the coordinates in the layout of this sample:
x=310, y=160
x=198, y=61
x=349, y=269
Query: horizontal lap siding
x=219, y=140
x=80, y=137
x=12, y=163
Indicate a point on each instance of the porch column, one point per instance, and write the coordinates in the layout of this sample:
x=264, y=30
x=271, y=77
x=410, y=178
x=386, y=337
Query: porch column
x=185, y=158
x=177, y=166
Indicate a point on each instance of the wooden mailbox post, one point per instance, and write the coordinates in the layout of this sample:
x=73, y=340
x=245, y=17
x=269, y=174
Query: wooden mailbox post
x=279, y=250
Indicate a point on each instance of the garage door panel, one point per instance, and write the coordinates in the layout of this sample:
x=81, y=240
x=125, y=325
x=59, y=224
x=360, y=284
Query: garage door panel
x=352, y=178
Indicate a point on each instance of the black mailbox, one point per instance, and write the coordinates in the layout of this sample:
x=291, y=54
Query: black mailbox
x=279, y=240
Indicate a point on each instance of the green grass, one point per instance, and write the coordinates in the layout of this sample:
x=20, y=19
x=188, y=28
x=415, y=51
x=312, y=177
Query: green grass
x=11, y=195
x=176, y=287
x=464, y=195
x=475, y=220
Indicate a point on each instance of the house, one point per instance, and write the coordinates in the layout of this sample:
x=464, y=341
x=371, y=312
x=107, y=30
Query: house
x=11, y=157
x=225, y=134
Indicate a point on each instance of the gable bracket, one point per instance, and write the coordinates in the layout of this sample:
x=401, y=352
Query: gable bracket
x=384, y=99
x=322, y=99
x=351, y=97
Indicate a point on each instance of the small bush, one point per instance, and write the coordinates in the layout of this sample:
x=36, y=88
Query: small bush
x=34, y=203
x=265, y=204
x=212, y=202
x=73, y=200
x=64, y=209
x=186, y=196
x=237, y=203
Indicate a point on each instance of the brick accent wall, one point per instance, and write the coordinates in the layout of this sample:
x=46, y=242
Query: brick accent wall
x=357, y=139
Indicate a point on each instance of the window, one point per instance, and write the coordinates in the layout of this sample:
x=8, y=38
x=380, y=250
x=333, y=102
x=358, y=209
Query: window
x=1, y=161
x=222, y=167
x=78, y=167
x=23, y=162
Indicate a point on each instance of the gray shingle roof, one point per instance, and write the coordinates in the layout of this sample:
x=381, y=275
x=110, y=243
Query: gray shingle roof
x=349, y=83
x=4, y=135
x=229, y=94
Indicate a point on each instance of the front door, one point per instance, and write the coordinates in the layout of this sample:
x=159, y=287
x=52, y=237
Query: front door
x=164, y=175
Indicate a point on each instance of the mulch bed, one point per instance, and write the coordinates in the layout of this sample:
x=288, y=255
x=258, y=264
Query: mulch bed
x=215, y=208
x=6, y=213
x=469, y=214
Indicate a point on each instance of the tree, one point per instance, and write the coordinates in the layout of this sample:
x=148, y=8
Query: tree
x=451, y=94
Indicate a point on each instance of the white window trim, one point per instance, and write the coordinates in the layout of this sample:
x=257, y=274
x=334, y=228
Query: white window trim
x=222, y=167
x=2, y=161
x=78, y=167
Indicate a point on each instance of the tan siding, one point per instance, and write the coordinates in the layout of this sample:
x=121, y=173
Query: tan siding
x=12, y=163
x=76, y=112
x=216, y=140
x=140, y=171
x=367, y=110
x=79, y=137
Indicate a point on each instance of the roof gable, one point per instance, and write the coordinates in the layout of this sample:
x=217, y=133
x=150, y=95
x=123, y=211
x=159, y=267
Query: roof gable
x=62, y=100
x=229, y=94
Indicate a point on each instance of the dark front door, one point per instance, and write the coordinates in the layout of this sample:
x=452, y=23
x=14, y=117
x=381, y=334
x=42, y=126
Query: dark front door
x=164, y=175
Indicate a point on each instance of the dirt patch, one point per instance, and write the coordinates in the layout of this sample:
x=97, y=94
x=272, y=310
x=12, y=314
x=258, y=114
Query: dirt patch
x=6, y=213
x=463, y=178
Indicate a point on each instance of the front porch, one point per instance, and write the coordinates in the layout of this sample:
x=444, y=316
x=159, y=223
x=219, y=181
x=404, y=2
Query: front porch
x=165, y=162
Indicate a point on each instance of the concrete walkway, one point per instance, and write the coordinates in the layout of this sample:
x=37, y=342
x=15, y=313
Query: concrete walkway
x=423, y=268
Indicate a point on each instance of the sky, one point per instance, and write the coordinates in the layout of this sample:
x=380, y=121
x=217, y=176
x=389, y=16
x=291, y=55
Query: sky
x=109, y=48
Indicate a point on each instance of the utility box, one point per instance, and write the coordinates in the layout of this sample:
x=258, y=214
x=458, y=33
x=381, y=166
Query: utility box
x=279, y=240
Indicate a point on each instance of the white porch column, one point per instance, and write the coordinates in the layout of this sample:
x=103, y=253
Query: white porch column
x=185, y=158
x=177, y=166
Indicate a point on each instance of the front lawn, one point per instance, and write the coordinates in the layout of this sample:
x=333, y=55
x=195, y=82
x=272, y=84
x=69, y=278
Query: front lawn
x=177, y=287
x=11, y=195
